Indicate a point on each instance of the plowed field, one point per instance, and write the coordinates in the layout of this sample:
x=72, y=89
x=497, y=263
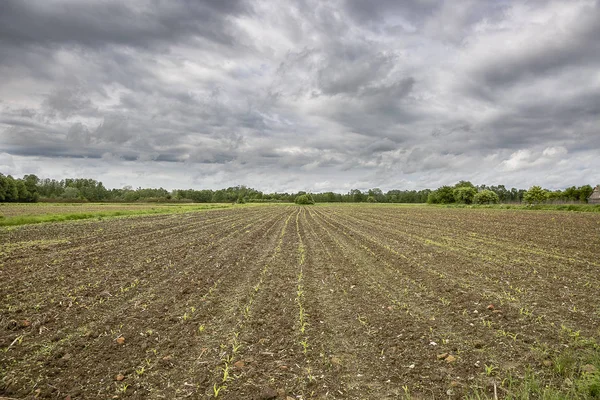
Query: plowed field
x=340, y=302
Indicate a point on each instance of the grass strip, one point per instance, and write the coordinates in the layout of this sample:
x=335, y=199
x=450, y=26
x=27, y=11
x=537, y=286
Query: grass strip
x=38, y=219
x=542, y=207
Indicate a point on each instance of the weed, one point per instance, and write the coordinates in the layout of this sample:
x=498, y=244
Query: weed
x=490, y=369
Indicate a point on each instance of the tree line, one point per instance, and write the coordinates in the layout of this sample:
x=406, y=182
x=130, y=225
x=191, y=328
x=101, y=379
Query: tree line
x=464, y=192
x=30, y=188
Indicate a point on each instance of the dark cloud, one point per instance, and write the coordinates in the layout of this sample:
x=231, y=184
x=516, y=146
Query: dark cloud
x=105, y=23
x=301, y=94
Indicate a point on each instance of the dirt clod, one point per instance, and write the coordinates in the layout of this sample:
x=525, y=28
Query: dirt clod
x=267, y=394
x=119, y=377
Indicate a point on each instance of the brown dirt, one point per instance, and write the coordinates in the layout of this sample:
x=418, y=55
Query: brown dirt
x=308, y=302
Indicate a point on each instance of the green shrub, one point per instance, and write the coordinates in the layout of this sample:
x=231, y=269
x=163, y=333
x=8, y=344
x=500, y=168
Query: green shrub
x=486, y=197
x=304, y=199
x=442, y=195
x=464, y=194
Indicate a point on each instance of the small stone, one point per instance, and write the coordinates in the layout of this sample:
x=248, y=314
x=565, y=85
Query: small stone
x=411, y=366
x=547, y=363
x=239, y=364
x=120, y=340
x=66, y=357
x=432, y=343
x=26, y=323
x=442, y=356
x=167, y=358
x=450, y=359
x=589, y=369
x=119, y=377
x=454, y=384
x=491, y=307
x=283, y=367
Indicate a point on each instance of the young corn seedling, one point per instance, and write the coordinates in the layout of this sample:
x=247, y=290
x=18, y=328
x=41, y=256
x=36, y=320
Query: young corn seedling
x=235, y=346
x=525, y=311
x=225, y=370
x=217, y=389
x=304, y=344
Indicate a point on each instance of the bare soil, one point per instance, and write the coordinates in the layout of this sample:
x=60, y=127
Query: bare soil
x=308, y=302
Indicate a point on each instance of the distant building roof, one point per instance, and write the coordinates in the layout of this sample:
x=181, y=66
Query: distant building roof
x=595, y=194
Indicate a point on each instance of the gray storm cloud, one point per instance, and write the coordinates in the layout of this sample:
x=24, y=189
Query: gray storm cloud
x=301, y=95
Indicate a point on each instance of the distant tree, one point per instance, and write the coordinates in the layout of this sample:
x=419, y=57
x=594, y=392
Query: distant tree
x=371, y=199
x=442, y=195
x=378, y=195
x=357, y=196
x=304, y=199
x=71, y=193
x=23, y=193
x=464, y=184
x=31, y=184
x=464, y=194
x=486, y=197
x=8, y=188
x=585, y=192
x=535, y=195
x=3, y=187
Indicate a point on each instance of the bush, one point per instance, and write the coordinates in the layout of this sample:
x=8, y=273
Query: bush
x=442, y=195
x=464, y=194
x=304, y=199
x=486, y=197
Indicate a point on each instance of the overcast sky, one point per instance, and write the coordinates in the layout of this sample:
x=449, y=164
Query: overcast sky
x=301, y=95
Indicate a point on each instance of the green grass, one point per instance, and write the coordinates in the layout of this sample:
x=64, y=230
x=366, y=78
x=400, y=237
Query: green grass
x=62, y=217
x=574, y=374
x=545, y=207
